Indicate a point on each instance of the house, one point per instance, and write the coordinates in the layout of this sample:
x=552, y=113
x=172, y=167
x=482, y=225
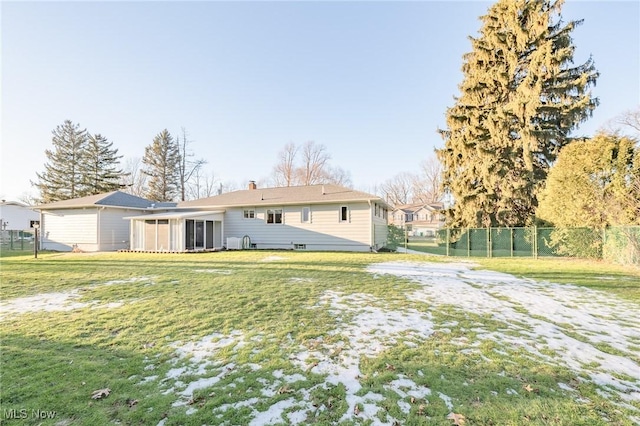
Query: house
x=316, y=217
x=17, y=216
x=93, y=223
x=421, y=220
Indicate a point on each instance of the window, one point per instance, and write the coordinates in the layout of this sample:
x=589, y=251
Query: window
x=299, y=246
x=306, y=215
x=344, y=214
x=274, y=216
x=34, y=223
x=249, y=214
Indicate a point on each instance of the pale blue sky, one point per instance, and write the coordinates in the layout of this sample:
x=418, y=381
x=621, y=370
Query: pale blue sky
x=369, y=80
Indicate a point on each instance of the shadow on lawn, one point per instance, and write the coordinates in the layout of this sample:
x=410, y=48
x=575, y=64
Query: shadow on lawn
x=51, y=376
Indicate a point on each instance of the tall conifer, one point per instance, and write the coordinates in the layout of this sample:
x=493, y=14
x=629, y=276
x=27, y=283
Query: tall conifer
x=161, y=163
x=101, y=166
x=62, y=178
x=519, y=100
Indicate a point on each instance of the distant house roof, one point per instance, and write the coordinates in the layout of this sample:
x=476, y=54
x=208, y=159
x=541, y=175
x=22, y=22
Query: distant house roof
x=311, y=194
x=110, y=199
x=412, y=208
x=14, y=203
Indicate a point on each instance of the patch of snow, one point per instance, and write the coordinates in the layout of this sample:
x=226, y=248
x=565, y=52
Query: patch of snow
x=447, y=400
x=272, y=258
x=301, y=280
x=201, y=362
x=59, y=301
x=538, y=317
x=369, y=331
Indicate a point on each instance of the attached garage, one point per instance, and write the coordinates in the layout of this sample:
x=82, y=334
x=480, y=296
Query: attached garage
x=93, y=223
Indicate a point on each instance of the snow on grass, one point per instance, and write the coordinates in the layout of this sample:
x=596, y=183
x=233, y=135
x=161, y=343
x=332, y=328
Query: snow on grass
x=58, y=301
x=367, y=331
x=272, y=258
x=198, y=359
x=573, y=322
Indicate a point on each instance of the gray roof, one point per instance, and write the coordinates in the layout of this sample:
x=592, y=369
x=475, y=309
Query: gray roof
x=412, y=208
x=111, y=199
x=312, y=194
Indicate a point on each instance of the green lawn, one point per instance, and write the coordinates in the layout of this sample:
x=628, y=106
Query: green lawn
x=236, y=337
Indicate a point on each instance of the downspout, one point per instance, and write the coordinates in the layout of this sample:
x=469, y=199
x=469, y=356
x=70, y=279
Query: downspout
x=372, y=228
x=98, y=228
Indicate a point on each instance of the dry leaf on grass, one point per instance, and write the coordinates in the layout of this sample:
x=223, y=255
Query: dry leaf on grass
x=458, y=419
x=100, y=393
x=285, y=389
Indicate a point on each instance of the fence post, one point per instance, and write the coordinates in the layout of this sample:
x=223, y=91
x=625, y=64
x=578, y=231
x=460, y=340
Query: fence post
x=468, y=243
x=511, y=241
x=489, y=242
x=535, y=242
x=448, y=239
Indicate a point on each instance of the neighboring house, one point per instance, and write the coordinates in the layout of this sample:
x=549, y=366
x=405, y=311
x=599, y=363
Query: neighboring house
x=421, y=220
x=316, y=217
x=93, y=223
x=17, y=216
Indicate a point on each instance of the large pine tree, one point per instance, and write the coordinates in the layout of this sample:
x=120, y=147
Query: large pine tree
x=101, y=166
x=520, y=98
x=161, y=163
x=62, y=178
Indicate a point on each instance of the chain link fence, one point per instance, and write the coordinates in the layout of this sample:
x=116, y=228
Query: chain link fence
x=16, y=240
x=616, y=244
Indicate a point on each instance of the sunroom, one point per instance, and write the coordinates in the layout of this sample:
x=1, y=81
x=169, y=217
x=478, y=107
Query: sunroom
x=177, y=231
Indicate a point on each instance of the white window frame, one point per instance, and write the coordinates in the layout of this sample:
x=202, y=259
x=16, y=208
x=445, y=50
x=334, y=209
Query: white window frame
x=344, y=209
x=249, y=214
x=302, y=211
x=274, y=213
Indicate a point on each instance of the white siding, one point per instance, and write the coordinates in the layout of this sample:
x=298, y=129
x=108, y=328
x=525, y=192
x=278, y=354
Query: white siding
x=17, y=217
x=380, y=232
x=62, y=229
x=114, y=230
x=324, y=232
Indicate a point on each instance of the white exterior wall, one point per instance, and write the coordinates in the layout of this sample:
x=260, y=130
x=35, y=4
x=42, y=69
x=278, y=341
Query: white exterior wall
x=17, y=217
x=113, y=229
x=62, y=229
x=324, y=232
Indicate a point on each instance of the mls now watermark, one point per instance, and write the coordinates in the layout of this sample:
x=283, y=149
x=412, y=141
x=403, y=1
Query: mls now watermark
x=23, y=413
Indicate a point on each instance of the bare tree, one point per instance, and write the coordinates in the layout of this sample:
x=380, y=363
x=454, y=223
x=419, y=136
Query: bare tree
x=314, y=164
x=427, y=186
x=398, y=189
x=284, y=172
x=204, y=184
x=187, y=167
x=630, y=118
x=338, y=176
x=133, y=181
x=29, y=199
x=308, y=165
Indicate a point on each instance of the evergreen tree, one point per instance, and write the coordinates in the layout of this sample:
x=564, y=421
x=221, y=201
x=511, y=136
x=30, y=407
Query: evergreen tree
x=162, y=161
x=101, y=166
x=594, y=183
x=62, y=178
x=519, y=100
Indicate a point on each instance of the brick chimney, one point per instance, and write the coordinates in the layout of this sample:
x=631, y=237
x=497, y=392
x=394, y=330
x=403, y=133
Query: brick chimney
x=252, y=185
